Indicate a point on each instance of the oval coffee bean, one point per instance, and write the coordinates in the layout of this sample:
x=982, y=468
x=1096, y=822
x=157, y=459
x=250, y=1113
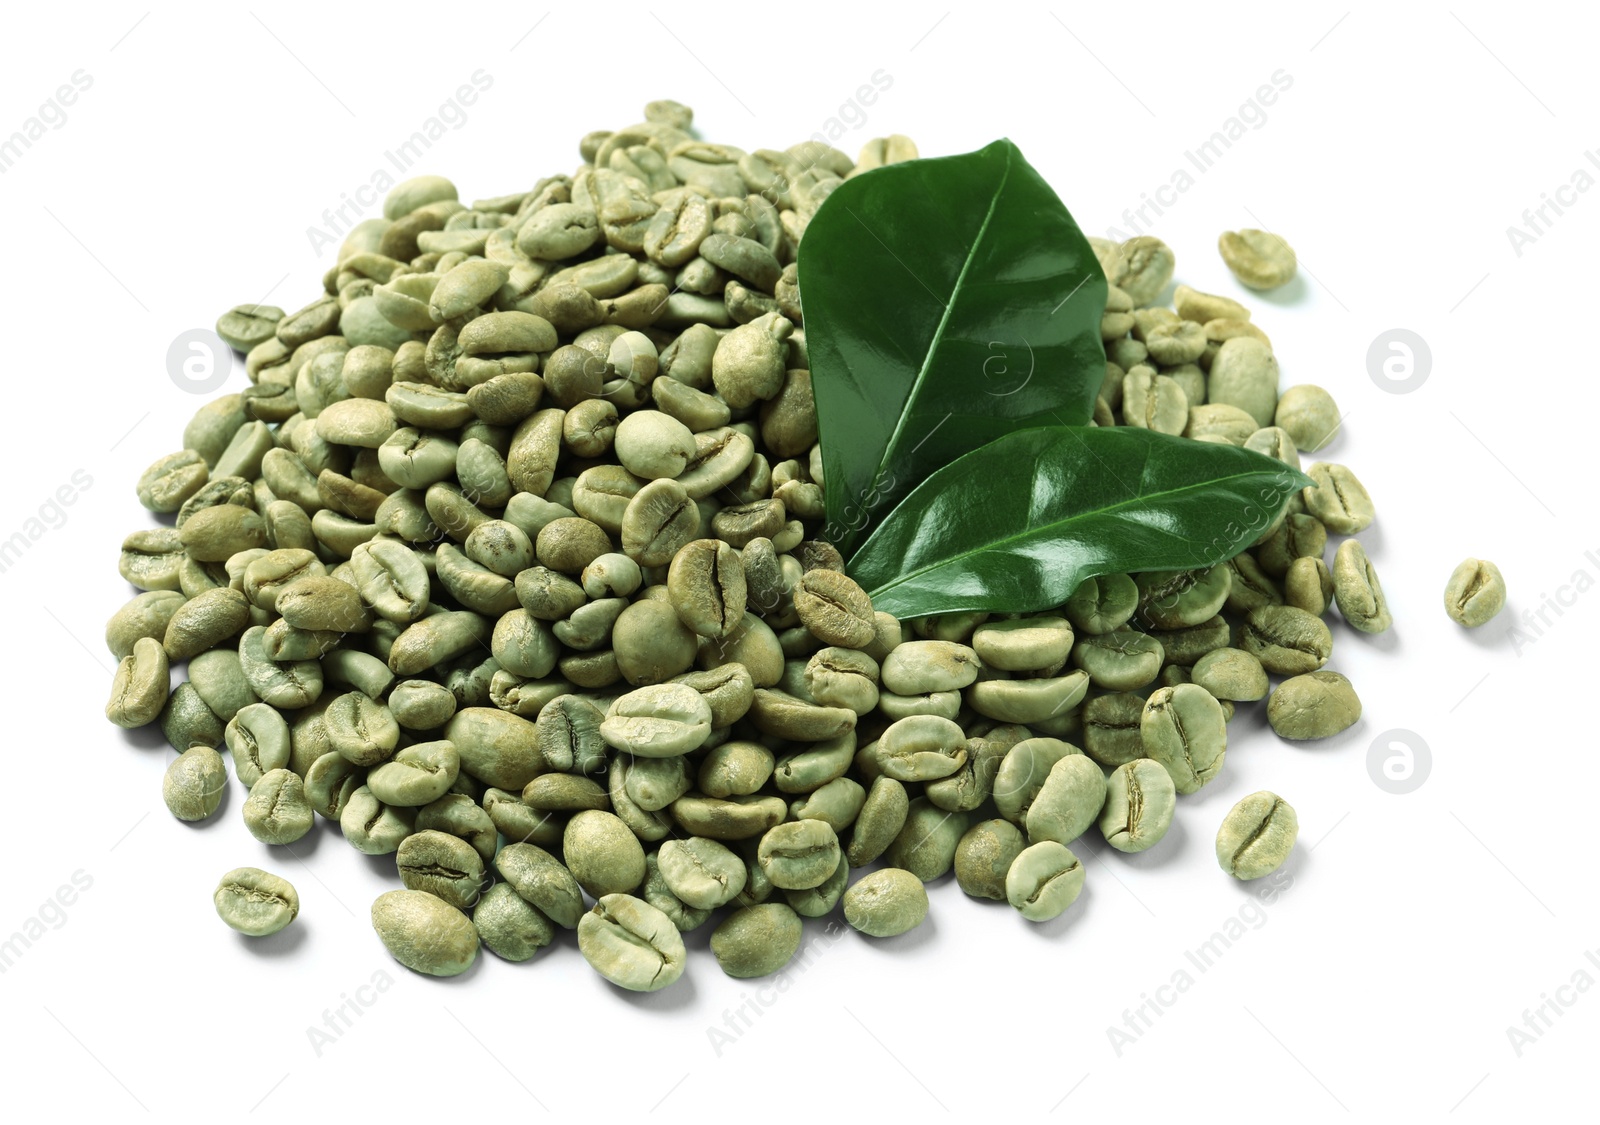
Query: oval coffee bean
x=658, y=721
x=277, y=811
x=442, y=865
x=756, y=941
x=1184, y=729
x=255, y=902
x=835, y=609
x=141, y=685
x=424, y=933
x=1140, y=800
x=193, y=784
x=1475, y=593
x=1287, y=641
x=1044, y=880
x=1256, y=836
x=1313, y=705
x=886, y=903
x=631, y=943
x=986, y=853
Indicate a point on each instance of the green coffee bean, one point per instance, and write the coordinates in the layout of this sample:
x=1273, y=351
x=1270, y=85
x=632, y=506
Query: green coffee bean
x=1119, y=660
x=442, y=865
x=1308, y=586
x=1475, y=593
x=1023, y=644
x=1256, y=836
x=702, y=873
x=277, y=811
x=258, y=738
x=1103, y=604
x=922, y=748
x=1111, y=728
x=756, y=941
x=1068, y=802
x=1231, y=673
x=1185, y=730
x=418, y=775
x=631, y=943
x=496, y=747
x=926, y=843
x=187, y=721
x=194, y=783
x=254, y=902
x=604, y=856
x=1044, y=880
x=542, y=880
x=1140, y=800
x=331, y=780
x=1308, y=414
x=145, y=615
x=879, y=822
x=373, y=827
x=1023, y=772
x=1313, y=705
x=886, y=903
x=509, y=926
x=1245, y=374
x=835, y=609
x=1287, y=641
x=984, y=855
x=421, y=704
x=1258, y=258
x=1357, y=591
x=424, y=933
x=799, y=855
x=141, y=685
x=1339, y=500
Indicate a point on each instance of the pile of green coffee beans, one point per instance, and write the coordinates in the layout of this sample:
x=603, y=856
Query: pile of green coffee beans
x=506, y=563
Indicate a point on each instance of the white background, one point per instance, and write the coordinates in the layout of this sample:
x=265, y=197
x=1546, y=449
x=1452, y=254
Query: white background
x=1417, y=928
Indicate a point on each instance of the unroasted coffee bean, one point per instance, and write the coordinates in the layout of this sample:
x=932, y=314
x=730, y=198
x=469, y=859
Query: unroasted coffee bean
x=1256, y=836
x=1185, y=731
x=1287, y=641
x=835, y=609
x=1258, y=258
x=1313, y=705
x=1475, y=593
x=1357, y=591
x=254, y=902
x=424, y=933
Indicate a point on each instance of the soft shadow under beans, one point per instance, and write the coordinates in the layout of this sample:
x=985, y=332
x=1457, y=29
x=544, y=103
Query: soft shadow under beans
x=1284, y=296
x=924, y=934
x=146, y=738
x=1059, y=926
x=1169, y=849
x=675, y=998
x=285, y=943
x=1495, y=633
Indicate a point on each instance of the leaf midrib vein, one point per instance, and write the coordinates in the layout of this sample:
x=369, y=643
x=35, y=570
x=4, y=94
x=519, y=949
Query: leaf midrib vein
x=944, y=321
x=1000, y=544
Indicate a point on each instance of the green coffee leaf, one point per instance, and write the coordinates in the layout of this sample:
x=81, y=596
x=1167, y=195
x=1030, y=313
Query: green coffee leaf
x=1015, y=526
x=947, y=302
